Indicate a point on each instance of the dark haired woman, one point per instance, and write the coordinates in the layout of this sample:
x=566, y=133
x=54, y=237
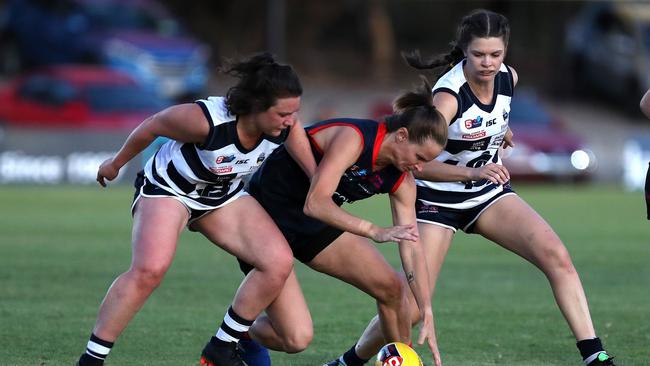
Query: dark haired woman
x=196, y=180
x=356, y=159
x=467, y=188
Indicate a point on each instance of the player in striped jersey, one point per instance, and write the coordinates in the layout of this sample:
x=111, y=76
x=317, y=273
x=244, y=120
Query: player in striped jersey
x=196, y=180
x=357, y=159
x=467, y=188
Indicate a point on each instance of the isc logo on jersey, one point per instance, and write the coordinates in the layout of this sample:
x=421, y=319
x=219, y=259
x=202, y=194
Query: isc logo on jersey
x=397, y=354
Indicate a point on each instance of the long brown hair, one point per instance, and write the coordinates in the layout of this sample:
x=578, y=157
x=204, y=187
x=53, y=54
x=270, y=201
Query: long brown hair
x=415, y=111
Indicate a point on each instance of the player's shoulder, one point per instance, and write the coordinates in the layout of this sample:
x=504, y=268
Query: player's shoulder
x=510, y=70
x=215, y=109
x=452, y=80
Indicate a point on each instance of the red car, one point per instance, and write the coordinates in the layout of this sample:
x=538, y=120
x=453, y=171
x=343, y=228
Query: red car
x=544, y=148
x=75, y=96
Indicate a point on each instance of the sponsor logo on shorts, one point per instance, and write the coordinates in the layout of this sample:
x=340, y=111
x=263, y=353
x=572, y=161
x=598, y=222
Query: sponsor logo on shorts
x=475, y=135
x=505, y=115
x=242, y=161
x=423, y=208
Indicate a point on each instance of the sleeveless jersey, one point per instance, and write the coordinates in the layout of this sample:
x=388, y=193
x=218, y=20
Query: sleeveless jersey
x=475, y=135
x=281, y=186
x=206, y=176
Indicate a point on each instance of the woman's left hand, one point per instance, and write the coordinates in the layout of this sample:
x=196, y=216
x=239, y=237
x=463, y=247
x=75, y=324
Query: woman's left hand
x=428, y=333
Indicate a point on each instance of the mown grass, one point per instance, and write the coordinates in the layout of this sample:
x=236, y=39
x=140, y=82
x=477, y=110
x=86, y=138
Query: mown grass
x=61, y=247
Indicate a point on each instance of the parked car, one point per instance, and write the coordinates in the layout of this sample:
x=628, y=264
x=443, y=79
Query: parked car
x=544, y=149
x=76, y=96
x=608, y=45
x=136, y=36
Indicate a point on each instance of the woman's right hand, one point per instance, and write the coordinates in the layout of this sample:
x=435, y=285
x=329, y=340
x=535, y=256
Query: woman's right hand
x=394, y=233
x=107, y=170
x=495, y=173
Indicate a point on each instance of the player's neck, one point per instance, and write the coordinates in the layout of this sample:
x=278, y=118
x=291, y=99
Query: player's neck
x=483, y=90
x=247, y=132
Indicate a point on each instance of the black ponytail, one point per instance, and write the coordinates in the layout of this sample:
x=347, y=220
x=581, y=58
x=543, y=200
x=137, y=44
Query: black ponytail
x=261, y=82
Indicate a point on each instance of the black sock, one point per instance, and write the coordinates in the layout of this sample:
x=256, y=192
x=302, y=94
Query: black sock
x=96, y=351
x=352, y=359
x=589, y=347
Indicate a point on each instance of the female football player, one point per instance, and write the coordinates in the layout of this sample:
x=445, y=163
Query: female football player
x=356, y=159
x=196, y=179
x=467, y=188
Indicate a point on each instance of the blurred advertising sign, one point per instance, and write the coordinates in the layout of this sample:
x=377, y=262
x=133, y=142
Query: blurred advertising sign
x=636, y=155
x=35, y=156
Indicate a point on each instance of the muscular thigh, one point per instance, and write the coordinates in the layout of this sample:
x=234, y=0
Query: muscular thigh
x=244, y=229
x=513, y=224
x=157, y=224
x=353, y=259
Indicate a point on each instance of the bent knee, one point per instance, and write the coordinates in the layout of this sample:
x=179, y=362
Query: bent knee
x=392, y=289
x=298, y=342
x=277, y=265
x=556, y=260
x=147, y=277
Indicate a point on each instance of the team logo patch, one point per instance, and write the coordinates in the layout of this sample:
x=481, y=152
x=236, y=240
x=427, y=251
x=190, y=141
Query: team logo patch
x=475, y=135
x=375, y=180
x=260, y=158
x=225, y=159
x=473, y=123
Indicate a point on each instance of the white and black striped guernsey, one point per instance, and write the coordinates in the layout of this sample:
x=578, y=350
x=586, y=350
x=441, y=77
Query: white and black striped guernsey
x=475, y=134
x=209, y=175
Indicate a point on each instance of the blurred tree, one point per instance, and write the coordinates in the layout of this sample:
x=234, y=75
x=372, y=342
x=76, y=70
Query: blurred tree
x=362, y=39
x=382, y=40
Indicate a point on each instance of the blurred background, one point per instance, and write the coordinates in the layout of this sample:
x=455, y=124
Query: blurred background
x=76, y=76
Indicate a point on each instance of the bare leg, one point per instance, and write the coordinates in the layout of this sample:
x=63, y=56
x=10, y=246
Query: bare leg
x=287, y=325
x=157, y=223
x=245, y=230
x=514, y=225
x=382, y=283
x=436, y=240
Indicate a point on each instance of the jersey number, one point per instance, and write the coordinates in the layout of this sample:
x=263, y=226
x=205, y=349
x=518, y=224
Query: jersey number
x=477, y=162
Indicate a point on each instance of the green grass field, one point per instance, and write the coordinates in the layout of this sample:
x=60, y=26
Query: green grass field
x=61, y=247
